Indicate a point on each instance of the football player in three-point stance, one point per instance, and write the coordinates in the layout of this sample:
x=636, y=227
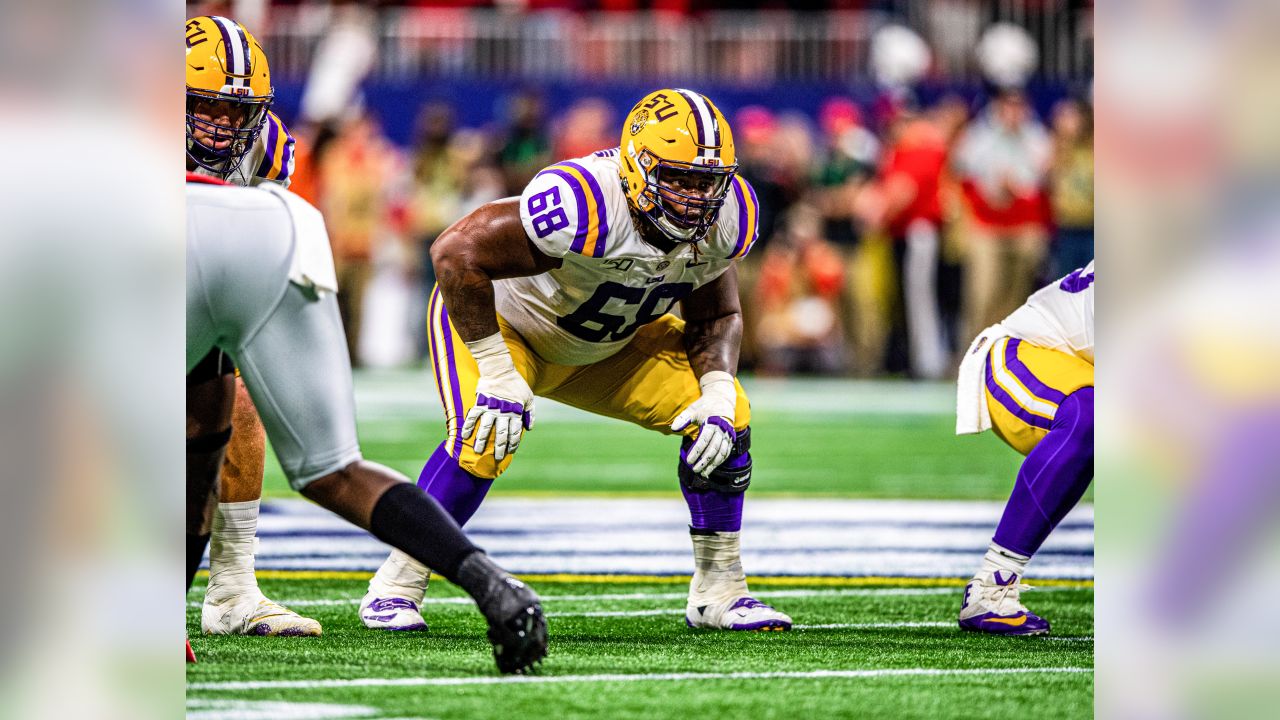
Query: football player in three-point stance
x=1030, y=378
x=566, y=293
x=232, y=135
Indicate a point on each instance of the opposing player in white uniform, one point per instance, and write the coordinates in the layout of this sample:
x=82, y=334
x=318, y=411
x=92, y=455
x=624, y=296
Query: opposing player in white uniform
x=566, y=292
x=1030, y=378
x=261, y=287
x=232, y=135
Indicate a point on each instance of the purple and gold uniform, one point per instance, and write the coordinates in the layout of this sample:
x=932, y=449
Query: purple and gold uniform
x=1030, y=378
x=595, y=333
x=1029, y=363
x=228, y=76
x=269, y=159
x=598, y=333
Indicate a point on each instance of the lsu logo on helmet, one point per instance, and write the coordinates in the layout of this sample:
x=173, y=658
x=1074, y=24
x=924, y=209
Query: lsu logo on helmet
x=228, y=92
x=677, y=162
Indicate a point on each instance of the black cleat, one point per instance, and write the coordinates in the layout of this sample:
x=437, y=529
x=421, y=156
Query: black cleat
x=517, y=626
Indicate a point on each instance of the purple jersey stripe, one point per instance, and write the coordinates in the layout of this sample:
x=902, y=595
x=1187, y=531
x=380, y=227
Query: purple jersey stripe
x=742, y=217
x=453, y=378
x=755, y=225
x=1033, y=383
x=273, y=139
x=286, y=157
x=602, y=215
x=1012, y=405
x=580, y=238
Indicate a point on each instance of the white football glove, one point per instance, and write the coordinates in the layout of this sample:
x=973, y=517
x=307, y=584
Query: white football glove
x=504, y=401
x=714, y=413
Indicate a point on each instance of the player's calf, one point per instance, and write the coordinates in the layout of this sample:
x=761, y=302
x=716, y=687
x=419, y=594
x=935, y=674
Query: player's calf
x=718, y=593
x=396, y=590
x=1050, y=482
x=233, y=602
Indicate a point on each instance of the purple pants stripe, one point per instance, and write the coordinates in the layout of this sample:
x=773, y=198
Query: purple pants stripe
x=1028, y=378
x=1012, y=405
x=437, y=360
x=447, y=331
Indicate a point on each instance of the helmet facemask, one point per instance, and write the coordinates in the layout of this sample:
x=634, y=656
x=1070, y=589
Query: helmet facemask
x=684, y=199
x=221, y=128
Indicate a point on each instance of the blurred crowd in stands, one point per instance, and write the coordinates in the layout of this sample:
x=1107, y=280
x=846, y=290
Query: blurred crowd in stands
x=889, y=236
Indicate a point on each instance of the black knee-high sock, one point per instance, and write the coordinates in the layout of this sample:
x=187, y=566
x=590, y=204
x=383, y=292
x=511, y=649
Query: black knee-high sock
x=407, y=518
x=195, y=552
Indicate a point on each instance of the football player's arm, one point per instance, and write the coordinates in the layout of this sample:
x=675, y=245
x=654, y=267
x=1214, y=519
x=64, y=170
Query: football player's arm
x=712, y=336
x=487, y=245
x=713, y=325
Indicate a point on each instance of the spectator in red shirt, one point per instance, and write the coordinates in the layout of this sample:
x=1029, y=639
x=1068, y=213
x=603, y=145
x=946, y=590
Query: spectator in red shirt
x=907, y=205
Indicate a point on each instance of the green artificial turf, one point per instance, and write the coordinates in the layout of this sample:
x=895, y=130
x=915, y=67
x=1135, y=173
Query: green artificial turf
x=812, y=439
x=645, y=646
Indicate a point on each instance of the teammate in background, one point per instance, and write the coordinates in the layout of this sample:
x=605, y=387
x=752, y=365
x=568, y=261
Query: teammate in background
x=261, y=286
x=233, y=135
x=566, y=293
x=1030, y=378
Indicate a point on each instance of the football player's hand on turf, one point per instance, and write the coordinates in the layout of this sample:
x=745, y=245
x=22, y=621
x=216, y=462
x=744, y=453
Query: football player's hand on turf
x=504, y=401
x=713, y=412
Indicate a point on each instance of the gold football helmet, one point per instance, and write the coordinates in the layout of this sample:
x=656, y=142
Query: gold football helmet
x=677, y=162
x=228, y=92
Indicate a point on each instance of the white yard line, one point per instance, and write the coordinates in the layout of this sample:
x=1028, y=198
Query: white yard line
x=638, y=677
x=870, y=626
x=767, y=594
x=619, y=613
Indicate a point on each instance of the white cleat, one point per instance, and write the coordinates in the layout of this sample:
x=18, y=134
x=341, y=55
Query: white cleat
x=251, y=613
x=390, y=612
x=742, y=613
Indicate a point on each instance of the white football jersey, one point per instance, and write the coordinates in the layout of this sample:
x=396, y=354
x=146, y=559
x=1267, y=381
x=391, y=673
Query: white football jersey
x=269, y=160
x=611, y=282
x=1059, y=316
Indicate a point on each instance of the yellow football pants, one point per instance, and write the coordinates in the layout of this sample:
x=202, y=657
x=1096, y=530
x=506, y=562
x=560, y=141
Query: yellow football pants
x=648, y=382
x=1025, y=384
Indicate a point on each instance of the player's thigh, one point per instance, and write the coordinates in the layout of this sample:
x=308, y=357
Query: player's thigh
x=1025, y=385
x=649, y=382
x=456, y=375
x=297, y=370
